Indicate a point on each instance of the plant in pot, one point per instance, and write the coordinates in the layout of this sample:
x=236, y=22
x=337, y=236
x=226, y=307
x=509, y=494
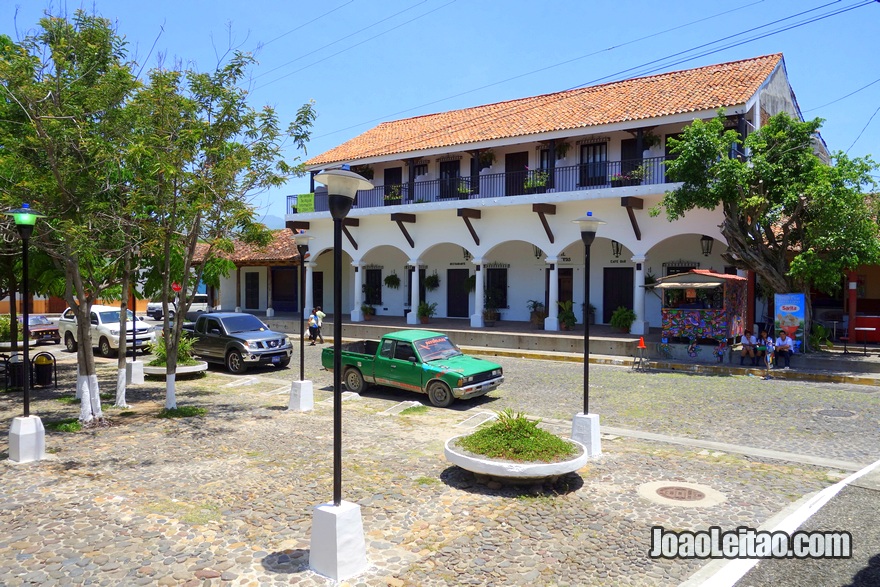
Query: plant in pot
x=591, y=316
x=432, y=281
x=425, y=311
x=622, y=318
x=392, y=281
x=184, y=352
x=368, y=310
x=491, y=303
x=536, y=181
x=567, y=319
x=537, y=313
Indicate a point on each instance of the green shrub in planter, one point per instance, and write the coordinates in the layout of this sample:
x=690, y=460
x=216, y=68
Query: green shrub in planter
x=622, y=318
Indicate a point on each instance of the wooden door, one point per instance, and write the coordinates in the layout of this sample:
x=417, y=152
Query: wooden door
x=617, y=290
x=516, y=170
x=450, y=171
x=457, y=293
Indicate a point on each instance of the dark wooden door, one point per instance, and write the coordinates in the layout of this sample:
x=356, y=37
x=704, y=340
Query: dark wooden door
x=566, y=284
x=450, y=171
x=251, y=290
x=285, y=288
x=317, y=289
x=617, y=290
x=516, y=170
x=630, y=158
x=393, y=188
x=594, y=164
x=457, y=293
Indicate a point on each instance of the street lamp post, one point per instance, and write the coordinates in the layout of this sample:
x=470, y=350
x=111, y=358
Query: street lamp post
x=585, y=426
x=301, y=394
x=338, y=546
x=27, y=438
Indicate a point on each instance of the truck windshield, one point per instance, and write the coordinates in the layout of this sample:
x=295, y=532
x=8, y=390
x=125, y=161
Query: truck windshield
x=243, y=324
x=439, y=347
x=113, y=316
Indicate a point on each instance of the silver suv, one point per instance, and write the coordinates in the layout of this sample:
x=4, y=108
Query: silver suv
x=198, y=306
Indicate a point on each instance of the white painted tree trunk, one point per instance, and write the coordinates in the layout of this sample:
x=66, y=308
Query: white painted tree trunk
x=90, y=404
x=170, y=395
x=80, y=384
x=120, y=389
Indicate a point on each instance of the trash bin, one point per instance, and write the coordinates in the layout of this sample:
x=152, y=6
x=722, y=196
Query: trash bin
x=16, y=371
x=44, y=367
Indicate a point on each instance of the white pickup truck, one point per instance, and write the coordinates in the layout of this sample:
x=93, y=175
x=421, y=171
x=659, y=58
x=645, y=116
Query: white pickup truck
x=104, y=330
x=198, y=306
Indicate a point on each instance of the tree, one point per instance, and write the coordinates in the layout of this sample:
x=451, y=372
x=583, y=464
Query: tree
x=63, y=127
x=795, y=221
x=201, y=154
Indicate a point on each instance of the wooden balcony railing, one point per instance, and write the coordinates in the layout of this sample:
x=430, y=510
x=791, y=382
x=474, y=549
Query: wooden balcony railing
x=588, y=176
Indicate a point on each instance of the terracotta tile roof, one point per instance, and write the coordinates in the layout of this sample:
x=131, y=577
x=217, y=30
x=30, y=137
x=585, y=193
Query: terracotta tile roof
x=282, y=249
x=703, y=88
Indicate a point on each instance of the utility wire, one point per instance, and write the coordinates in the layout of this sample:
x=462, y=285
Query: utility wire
x=863, y=129
x=844, y=97
x=305, y=24
x=494, y=115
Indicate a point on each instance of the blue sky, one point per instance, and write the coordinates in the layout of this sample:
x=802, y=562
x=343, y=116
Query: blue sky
x=364, y=62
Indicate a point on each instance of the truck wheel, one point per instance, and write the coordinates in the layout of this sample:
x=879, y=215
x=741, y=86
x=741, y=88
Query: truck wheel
x=235, y=363
x=104, y=347
x=354, y=381
x=70, y=342
x=439, y=394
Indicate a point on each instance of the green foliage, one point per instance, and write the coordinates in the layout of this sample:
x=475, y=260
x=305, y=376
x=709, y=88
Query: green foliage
x=67, y=425
x=566, y=314
x=182, y=412
x=368, y=310
x=184, y=352
x=622, y=318
x=6, y=329
x=819, y=337
x=432, y=281
x=516, y=438
x=798, y=223
x=535, y=306
x=414, y=410
x=392, y=281
x=426, y=310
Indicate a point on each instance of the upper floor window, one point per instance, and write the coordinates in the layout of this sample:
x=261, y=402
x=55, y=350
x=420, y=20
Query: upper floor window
x=594, y=164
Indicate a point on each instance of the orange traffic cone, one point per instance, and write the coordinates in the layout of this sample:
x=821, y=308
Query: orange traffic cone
x=642, y=342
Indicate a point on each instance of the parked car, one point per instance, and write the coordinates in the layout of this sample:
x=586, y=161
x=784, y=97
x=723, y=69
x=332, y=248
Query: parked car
x=237, y=340
x=42, y=329
x=198, y=306
x=105, y=329
x=416, y=360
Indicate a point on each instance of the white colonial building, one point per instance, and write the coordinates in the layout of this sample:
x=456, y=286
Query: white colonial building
x=485, y=198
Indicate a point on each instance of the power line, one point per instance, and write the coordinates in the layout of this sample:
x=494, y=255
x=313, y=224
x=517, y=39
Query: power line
x=480, y=117
x=305, y=24
x=863, y=129
x=844, y=97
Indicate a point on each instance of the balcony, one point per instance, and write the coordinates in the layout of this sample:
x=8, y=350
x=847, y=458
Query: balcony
x=586, y=176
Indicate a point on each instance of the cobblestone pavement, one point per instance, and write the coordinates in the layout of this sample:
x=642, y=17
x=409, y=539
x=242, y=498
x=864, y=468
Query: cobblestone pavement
x=226, y=499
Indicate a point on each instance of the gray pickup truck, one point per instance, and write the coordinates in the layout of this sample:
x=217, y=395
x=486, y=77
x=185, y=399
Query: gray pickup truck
x=238, y=340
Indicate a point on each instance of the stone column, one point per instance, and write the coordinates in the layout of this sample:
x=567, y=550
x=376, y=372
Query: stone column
x=551, y=322
x=479, y=294
x=640, y=326
x=238, y=289
x=270, y=312
x=356, y=314
x=413, y=317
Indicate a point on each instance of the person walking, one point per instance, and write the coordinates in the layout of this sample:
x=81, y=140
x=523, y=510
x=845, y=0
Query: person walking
x=313, y=327
x=321, y=315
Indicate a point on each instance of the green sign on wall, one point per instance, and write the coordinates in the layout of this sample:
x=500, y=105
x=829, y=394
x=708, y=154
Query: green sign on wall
x=305, y=203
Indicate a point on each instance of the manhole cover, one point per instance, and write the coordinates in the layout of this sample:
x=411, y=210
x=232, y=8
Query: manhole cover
x=837, y=413
x=680, y=493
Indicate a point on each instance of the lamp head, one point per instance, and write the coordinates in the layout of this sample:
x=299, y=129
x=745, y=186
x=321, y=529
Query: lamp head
x=589, y=225
x=25, y=219
x=342, y=187
x=706, y=243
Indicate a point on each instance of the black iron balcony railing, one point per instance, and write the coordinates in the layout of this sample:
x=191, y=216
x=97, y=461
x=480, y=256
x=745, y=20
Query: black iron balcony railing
x=587, y=176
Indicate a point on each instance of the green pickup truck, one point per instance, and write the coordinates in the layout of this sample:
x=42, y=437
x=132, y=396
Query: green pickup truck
x=416, y=360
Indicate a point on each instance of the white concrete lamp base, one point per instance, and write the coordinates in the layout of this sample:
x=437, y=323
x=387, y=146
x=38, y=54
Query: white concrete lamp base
x=27, y=440
x=338, y=549
x=302, y=398
x=134, y=373
x=585, y=429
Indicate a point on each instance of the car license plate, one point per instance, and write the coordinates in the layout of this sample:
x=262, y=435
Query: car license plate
x=276, y=359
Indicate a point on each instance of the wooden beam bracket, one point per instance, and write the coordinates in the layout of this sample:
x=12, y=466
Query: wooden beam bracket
x=467, y=214
x=631, y=203
x=400, y=218
x=542, y=210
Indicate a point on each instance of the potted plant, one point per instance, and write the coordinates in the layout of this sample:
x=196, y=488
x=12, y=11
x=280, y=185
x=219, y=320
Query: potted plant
x=487, y=158
x=432, y=281
x=392, y=195
x=368, y=310
x=537, y=313
x=622, y=318
x=567, y=319
x=425, y=311
x=536, y=181
x=591, y=315
x=392, y=281
x=464, y=189
x=490, y=308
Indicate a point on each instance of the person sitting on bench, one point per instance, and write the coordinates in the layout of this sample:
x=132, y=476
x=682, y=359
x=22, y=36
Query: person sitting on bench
x=749, y=345
x=784, y=349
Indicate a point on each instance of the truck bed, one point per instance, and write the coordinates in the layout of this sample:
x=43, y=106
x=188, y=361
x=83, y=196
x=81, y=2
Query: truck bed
x=364, y=347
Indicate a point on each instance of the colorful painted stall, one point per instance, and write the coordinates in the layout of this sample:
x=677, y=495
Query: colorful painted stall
x=701, y=304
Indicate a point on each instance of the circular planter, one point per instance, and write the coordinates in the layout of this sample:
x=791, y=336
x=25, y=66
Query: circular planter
x=161, y=371
x=513, y=470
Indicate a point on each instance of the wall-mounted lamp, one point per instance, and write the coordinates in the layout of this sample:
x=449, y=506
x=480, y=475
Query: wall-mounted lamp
x=538, y=252
x=466, y=254
x=706, y=243
x=616, y=248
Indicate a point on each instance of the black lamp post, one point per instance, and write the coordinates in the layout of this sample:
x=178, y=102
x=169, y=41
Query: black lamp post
x=589, y=225
x=25, y=218
x=302, y=245
x=342, y=186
